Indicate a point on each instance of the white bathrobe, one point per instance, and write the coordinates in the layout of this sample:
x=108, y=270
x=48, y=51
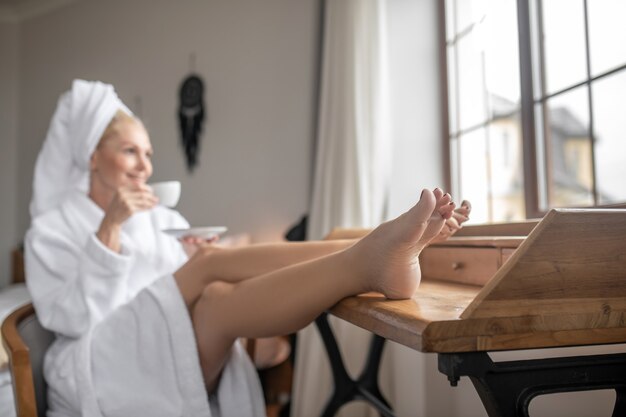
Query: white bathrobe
x=125, y=344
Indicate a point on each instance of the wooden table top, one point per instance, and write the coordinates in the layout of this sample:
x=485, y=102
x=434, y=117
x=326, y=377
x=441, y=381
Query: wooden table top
x=564, y=286
x=406, y=321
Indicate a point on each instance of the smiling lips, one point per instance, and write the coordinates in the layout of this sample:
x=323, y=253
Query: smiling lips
x=136, y=179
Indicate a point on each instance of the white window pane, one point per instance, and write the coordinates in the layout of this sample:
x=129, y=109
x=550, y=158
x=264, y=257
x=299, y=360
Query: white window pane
x=488, y=64
x=469, y=12
x=452, y=97
x=473, y=174
x=502, y=50
x=570, y=165
x=471, y=82
x=564, y=42
x=609, y=100
x=507, y=179
x=607, y=34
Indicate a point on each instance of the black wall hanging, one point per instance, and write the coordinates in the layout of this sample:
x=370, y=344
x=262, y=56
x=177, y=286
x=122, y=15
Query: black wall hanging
x=191, y=116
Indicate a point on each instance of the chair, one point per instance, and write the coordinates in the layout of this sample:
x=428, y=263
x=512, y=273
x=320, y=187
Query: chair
x=26, y=343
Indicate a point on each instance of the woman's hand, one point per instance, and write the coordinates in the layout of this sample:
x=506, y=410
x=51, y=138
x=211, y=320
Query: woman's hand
x=455, y=223
x=126, y=202
x=191, y=244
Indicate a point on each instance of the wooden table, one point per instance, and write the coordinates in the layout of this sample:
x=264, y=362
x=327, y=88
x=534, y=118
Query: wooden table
x=562, y=285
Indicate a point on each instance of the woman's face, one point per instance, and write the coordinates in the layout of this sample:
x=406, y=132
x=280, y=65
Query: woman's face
x=123, y=158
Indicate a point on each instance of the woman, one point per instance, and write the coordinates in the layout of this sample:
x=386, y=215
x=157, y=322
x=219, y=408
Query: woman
x=133, y=336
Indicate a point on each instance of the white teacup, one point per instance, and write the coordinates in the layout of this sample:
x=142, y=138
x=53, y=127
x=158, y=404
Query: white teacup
x=168, y=192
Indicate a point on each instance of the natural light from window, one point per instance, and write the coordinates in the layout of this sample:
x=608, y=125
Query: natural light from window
x=485, y=141
x=579, y=85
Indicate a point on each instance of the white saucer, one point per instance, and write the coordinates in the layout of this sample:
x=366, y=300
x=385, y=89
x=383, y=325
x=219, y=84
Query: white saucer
x=202, y=232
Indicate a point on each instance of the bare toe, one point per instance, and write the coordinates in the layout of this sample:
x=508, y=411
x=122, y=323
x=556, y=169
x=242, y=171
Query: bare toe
x=416, y=219
x=447, y=211
x=443, y=211
x=438, y=192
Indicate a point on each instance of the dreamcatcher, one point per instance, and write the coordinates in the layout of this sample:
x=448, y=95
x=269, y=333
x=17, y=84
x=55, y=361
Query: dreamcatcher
x=191, y=117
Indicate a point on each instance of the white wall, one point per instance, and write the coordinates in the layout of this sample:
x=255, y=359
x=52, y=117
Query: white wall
x=415, y=101
x=8, y=145
x=258, y=61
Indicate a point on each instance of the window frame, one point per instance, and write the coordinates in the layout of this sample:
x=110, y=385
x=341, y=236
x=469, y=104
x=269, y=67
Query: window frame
x=532, y=197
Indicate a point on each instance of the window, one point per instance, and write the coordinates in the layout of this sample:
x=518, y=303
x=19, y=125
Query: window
x=549, y=132
x=484, y=108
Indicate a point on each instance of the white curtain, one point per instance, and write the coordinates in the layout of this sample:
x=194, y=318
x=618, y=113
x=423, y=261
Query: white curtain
x=352, y=172
x=354, y=143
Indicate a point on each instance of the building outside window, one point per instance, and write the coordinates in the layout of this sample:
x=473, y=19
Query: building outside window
x=550, y=132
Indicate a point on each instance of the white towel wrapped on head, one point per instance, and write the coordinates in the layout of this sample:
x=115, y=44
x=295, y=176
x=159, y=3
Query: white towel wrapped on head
x=81, y=117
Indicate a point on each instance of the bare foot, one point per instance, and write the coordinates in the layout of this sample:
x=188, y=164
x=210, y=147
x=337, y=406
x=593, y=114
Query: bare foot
x=389, y=254
x=455, y=223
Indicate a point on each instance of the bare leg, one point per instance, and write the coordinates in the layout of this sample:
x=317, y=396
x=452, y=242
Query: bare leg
x=285, y=300
x=214, y=263
x=237, y=264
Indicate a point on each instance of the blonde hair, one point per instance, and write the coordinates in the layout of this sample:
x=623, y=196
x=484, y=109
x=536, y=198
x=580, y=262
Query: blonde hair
x=120, y=118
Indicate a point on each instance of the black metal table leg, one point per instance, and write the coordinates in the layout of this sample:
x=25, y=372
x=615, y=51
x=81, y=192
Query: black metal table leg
x=506, y=388
x=365, y=387
x=620, y=402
